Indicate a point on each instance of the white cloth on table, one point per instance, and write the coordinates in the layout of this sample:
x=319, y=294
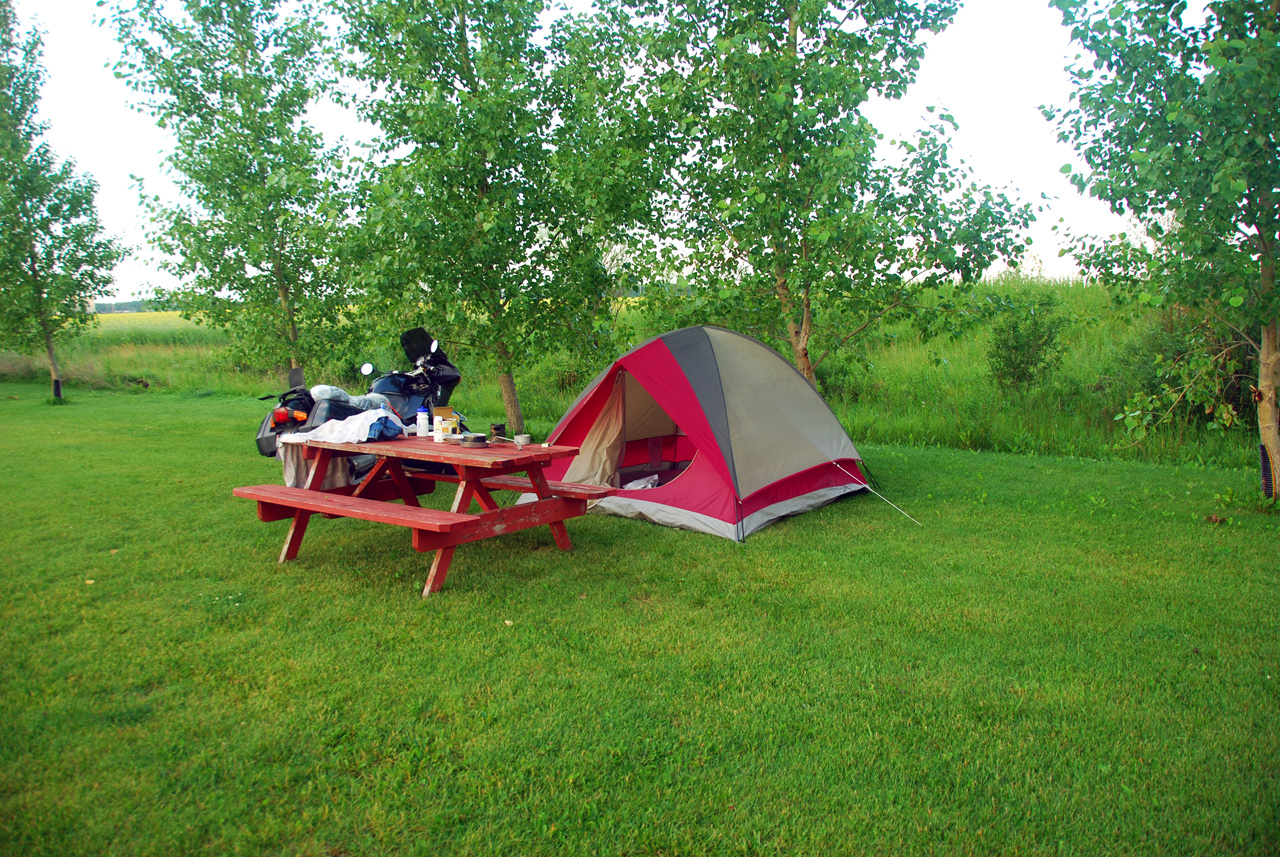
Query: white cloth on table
x=381, y=424
x=364, y=426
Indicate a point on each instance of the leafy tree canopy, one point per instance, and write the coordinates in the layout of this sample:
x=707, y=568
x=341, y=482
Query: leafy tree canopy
x=54, y=259
x=783, y=215
x=514, y=158
x=1176, y=122
x=255, y=234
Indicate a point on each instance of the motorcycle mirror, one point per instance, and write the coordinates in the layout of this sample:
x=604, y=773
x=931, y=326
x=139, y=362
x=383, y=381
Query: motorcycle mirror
x=434, y=346
x=366, y=369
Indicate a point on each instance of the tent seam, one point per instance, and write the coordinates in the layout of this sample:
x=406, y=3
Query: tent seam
x=728, y=436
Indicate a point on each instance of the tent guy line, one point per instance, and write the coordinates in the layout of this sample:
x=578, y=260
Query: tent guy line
x=884, y=498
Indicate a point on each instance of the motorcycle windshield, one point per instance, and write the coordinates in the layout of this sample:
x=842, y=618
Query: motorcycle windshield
x=416, y=344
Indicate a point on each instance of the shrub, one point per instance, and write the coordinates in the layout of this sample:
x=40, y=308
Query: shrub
x=1025, y=345
x=1161, y=356
x=840, y=375
x=1141, y=357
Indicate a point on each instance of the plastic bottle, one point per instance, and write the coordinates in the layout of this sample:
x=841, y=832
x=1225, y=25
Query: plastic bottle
x=424, y=422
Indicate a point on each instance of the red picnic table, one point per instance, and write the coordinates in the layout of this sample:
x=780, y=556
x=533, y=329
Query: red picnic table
x=477, y=472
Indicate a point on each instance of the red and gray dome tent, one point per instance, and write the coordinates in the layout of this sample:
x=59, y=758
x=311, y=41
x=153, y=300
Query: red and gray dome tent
x=726, y=431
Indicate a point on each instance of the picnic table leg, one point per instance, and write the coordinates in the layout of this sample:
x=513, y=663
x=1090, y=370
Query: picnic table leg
x=484, y=498
x=543, y=491
x=439, y=568
x=402, y=483
x=298, y=528
x=444, y=556
x=376, y=473
x=392, y=469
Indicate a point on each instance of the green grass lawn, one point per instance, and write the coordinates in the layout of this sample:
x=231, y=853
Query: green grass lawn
x=1067, y=658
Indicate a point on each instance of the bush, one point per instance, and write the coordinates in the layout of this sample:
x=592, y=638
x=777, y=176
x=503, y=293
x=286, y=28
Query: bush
x=1135, y=368
x=843, y=375
x=566, y=371
x=1184, y=362
x=1025, y=345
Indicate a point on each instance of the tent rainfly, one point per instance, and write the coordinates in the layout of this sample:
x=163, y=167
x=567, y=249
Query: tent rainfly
x=708, y=430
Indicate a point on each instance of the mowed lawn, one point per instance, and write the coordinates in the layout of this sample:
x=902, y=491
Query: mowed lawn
x=1068, y=657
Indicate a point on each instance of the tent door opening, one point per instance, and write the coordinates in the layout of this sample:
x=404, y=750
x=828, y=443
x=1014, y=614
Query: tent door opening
x=651, y=442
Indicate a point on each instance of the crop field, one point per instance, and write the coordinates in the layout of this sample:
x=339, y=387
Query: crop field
x=1069, y=656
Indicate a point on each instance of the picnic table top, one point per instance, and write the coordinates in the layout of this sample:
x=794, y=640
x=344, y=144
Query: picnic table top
x=498, y=455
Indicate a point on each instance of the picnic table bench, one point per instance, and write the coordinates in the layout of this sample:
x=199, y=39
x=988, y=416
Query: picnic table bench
x=277, y=502
x=477, y=472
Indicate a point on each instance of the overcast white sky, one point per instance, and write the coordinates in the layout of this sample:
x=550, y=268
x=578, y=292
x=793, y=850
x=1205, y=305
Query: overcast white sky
x=991, y=69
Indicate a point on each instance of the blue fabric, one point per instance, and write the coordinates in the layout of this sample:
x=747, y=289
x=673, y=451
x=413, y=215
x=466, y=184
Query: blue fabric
x=384, y=428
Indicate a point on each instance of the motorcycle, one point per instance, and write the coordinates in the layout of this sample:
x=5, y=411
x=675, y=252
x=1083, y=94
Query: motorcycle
x=428, y=385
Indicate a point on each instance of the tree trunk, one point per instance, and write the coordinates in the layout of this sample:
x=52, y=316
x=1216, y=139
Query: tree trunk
x=797, y=333
x=510, y=399
x=55, y=374
x=291, y=329
x=511, y=404
x=1266, y=241
x=1268, y=382
x=1268, y=407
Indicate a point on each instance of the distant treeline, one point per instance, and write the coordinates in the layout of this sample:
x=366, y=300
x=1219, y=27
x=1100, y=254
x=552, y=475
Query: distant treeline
x=122, y=306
